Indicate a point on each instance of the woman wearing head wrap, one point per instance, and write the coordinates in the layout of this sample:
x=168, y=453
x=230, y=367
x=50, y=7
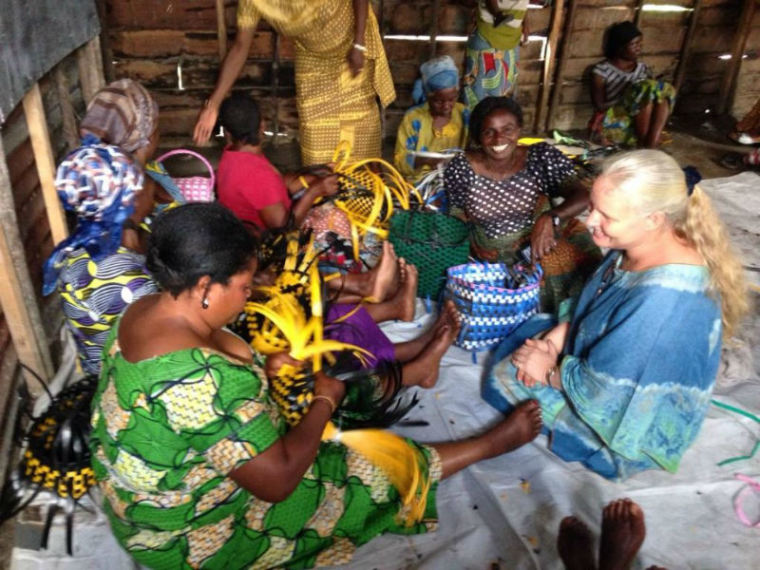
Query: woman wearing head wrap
x=631, y=106
x=100, y=269
x=124, y=114
x=438, y=122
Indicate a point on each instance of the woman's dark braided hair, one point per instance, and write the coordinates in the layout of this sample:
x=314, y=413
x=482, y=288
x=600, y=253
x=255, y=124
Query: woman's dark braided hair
x=485, y=108
x=194, y=240
x=240, y=116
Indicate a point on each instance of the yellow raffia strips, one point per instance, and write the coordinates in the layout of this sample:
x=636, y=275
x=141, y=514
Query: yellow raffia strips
x=400, y=462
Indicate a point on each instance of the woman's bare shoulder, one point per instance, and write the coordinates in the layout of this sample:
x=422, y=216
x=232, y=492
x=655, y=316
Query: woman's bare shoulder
x=146, y=332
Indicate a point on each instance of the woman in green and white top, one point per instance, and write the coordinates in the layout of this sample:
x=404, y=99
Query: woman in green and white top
x=493, y=50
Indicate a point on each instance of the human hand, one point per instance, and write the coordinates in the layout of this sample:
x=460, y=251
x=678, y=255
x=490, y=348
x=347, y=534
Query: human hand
x=542, y=239
x=278, y=360
x=355, y=60
x=326, y=186
x=534, y=360
x=204, y=126
x=329, y=387
x=483, y=253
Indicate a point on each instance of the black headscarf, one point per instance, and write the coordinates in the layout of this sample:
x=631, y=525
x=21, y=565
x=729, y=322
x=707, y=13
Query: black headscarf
x=618, y=36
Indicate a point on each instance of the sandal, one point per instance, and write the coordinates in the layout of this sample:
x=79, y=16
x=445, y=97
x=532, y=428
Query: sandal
x=732, y=161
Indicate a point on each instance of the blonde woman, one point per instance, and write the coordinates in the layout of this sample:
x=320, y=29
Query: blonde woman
x=625, y=385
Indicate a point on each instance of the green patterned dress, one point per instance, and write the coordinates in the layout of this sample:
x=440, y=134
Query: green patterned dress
x=168, y=430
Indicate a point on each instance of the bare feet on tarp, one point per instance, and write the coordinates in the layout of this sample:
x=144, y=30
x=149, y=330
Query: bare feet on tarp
x=521, y=426
x=576, y=545
x=623, y=533
x=383, y=279
x=423, y=370
x=406, y=296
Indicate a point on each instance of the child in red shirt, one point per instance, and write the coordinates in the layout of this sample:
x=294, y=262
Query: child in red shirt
x=249, y=185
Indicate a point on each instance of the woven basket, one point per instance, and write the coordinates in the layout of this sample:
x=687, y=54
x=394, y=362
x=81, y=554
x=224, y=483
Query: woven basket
x=488, y=309
x=193, y=188
x=432, y=242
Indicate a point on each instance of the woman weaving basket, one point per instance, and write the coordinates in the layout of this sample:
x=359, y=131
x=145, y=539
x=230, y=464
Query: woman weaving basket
x=626, y=384
x=502, y=188
x=224, y=482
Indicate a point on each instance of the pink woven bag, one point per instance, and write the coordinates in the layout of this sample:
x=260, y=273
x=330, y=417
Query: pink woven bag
x=194, y=188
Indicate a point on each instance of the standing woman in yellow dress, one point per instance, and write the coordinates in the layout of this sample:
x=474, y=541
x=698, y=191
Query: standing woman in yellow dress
x=340, y=70
x=438, y=122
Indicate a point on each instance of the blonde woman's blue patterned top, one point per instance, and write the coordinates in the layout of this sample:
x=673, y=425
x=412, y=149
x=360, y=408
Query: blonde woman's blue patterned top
x=637, y=373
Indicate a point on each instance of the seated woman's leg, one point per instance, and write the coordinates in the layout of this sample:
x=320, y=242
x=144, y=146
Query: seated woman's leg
x=642, y=122
x=659, y=117
x=521, y=426
x=375, y=285
x=422, y=356
x=401, y=304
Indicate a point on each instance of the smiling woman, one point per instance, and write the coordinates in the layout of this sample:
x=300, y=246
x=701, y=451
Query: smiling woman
x=625, y=385
x=504, y=188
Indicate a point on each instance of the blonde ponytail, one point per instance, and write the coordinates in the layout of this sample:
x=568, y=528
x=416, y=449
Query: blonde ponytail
x=654, y=182
x=703, y=229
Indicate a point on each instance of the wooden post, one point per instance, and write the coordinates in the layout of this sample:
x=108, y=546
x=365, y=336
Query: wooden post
x=68, y=117
x=435, y=6
x=686, y=47
x=563, y=57
x=728, y=81
x=551, y=44
x=221, y=29
x=44, y=161
x=17, y=293
x=638, y=13
x=90, y=64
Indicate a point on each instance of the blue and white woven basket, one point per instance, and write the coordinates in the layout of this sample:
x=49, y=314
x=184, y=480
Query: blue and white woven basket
x=488, y=309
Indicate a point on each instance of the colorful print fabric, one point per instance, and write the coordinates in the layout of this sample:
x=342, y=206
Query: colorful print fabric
x=94, y=294
x=167, y=431
x=416, y=132
x=637, y=373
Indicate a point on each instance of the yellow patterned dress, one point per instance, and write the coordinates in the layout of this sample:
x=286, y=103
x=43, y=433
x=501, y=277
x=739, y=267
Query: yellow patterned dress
x=166, y=433
x=332, y=104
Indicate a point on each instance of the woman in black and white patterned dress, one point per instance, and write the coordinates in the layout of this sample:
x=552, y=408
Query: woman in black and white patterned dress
x=505, y=189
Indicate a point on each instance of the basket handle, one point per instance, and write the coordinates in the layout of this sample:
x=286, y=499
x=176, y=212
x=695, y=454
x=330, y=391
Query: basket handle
x=200, y=157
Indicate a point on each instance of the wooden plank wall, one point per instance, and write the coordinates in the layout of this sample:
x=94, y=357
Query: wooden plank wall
x=30, y=210
x=149, y=40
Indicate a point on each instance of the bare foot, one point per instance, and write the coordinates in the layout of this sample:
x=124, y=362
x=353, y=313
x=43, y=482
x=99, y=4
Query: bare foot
x=405, y=298
x=575, y=545
x=383, y=278
x=423, y=370
x=520, y=427
x=623, y=532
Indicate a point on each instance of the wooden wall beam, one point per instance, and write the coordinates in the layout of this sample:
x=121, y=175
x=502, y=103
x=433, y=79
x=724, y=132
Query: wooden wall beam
x=435, y=7
x=550, y=51
x=221, y=29
x=68, y=116
x=728, y=82
x=90, y=64
x=17, y=296
x=638, y=12
x=44, y=160
x=683, y=58
x=563, y=57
